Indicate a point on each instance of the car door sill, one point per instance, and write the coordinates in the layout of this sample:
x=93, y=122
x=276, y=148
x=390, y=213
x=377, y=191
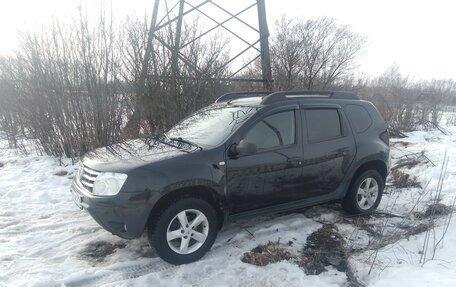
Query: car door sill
x=285, y=206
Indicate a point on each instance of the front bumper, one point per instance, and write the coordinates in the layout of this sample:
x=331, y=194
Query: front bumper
x=124, y=214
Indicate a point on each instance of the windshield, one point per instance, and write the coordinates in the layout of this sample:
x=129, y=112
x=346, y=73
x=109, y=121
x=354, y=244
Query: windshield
x=211, y=126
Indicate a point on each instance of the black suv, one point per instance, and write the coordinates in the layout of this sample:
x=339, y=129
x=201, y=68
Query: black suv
x=247, y=154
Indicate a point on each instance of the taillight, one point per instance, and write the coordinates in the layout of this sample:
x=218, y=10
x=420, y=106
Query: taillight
x=384, y=136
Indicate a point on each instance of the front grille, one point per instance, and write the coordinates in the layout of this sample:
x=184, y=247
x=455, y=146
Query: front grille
x=87, y=177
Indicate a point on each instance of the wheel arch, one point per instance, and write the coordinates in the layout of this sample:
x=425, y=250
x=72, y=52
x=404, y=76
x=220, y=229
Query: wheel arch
x=196, y=191
x=377, y=165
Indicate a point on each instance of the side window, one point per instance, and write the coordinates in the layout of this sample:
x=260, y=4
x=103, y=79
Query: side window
x=359, y=117
x=273, y=131
x=323, y=124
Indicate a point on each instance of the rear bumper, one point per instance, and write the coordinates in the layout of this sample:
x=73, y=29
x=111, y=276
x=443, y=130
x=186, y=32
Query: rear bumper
x=124, y=214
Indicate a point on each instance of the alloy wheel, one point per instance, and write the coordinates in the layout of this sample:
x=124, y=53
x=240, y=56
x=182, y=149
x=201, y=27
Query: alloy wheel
x=187, y=231
x=367, y=193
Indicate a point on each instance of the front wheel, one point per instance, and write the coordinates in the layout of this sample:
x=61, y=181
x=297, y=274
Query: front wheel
x=365, y=193
x=184, y=231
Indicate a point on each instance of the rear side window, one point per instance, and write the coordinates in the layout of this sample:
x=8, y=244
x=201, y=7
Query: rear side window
x=359, y=117
x=323, y=124
x=273, y=131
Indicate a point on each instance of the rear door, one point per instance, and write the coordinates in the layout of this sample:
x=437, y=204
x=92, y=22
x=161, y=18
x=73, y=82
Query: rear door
x=329, y=148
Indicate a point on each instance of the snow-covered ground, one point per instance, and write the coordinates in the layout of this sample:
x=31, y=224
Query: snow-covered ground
x=45, y=240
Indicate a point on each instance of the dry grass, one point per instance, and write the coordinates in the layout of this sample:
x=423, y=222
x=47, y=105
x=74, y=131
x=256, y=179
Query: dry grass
x=438, y=209
x=265, y=254
x=403, y=180
x=324, y=247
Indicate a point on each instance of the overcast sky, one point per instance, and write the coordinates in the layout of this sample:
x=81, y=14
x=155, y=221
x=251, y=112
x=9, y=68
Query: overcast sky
x=418, y=35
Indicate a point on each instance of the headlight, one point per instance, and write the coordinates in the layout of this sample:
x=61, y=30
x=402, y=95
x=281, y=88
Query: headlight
x=108, y=183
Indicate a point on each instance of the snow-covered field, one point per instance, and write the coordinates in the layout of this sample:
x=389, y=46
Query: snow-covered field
x=45, y=240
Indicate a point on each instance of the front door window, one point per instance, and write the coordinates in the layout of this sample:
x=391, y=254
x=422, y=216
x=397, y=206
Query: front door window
x=273, y=131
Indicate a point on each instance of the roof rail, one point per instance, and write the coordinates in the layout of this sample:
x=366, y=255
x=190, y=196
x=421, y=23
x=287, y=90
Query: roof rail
x=285, y=95
x=231, y=96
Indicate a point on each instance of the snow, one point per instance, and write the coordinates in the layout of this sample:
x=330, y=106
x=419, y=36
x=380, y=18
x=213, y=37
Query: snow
x=44, y=237
x=398, y=264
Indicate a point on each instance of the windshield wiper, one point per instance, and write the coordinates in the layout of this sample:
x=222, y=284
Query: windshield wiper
x=181, y=140
x=161, y=138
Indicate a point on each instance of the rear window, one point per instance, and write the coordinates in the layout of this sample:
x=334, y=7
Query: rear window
x=358, y=117
x=323, y=124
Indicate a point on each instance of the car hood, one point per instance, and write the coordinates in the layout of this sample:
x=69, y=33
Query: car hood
x=131, y=154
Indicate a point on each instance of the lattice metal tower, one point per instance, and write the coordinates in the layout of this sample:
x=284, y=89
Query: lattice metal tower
x=244, y=22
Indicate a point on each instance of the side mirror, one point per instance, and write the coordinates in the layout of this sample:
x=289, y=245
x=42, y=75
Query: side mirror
x=245, y=147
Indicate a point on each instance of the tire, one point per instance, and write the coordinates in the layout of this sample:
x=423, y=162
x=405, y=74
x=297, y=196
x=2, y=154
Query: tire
x=185, y=244
x=364, y=194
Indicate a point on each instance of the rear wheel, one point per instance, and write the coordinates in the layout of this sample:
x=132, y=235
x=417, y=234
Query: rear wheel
x=184, y=231
x=365, y=193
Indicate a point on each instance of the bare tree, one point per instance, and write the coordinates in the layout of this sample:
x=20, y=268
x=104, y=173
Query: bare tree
x=65, y=81
x=287, y=54
x=196, y=86
x=313, y=53
x=406, y=104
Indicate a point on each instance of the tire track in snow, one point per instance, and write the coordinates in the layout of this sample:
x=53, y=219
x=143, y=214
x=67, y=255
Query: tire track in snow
x=39, y=229
x=119, y=274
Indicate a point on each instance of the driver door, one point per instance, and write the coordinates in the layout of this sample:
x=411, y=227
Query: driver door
x=272, y=175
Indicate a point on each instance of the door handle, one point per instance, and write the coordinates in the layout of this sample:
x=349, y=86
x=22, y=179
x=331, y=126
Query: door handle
x=342, y=151
x=294, y=162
